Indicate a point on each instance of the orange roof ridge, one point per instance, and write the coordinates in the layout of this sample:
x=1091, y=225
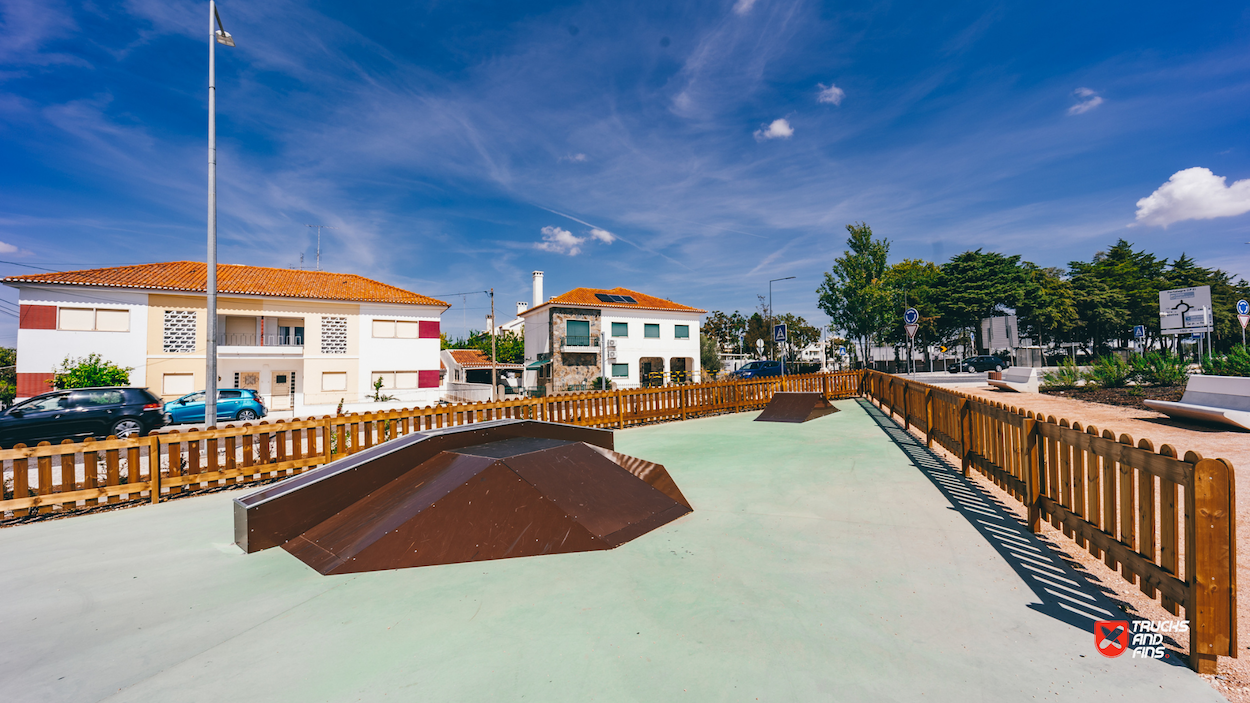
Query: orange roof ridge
x=584, y=297
x=238, y=279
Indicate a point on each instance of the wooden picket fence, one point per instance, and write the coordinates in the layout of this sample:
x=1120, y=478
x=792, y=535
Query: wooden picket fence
x=74, y=475
x=1167, y=522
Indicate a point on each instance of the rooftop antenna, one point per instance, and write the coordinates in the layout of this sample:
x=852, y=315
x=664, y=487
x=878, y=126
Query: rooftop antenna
x=319, y=228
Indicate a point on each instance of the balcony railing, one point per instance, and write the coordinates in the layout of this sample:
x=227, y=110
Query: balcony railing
x=580, y=342
x=256, y=340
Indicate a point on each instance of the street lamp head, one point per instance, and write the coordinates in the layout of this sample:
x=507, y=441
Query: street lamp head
x=223, y=37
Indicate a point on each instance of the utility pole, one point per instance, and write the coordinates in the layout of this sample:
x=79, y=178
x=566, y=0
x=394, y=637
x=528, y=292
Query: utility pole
x=216, y=34
x=494, y=373
x=319, y=228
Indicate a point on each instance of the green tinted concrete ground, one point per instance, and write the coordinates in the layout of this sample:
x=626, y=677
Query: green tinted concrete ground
x=819, y=564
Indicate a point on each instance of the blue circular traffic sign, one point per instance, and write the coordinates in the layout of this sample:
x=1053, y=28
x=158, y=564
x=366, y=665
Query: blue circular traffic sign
x=911, y=316
x=1243, y=307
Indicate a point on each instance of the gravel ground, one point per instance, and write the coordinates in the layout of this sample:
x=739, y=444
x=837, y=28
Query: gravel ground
x=1212, y=442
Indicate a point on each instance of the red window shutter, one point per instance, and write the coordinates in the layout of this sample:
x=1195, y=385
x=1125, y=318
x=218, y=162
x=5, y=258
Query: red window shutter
x=427, y=379
x=32, y=384
x=37, y=317
x=428, y=329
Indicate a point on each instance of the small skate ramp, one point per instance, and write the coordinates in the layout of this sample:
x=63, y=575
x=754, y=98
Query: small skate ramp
x=464, y=497
x=796, y=407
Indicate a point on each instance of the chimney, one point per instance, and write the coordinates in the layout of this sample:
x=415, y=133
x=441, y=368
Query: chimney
x=521, y=307
x=538, y=288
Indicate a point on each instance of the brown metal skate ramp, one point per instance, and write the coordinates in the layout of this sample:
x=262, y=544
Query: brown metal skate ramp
x=275, y=514
x=796, y=407
x=509, y=498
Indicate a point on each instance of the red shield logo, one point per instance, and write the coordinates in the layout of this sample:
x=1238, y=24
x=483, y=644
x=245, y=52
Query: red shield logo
x=1111, y=637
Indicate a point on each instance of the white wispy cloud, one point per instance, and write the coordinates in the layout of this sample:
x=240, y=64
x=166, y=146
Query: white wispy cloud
x=743, y=6
x=1088, y=101
x=778, y=129
x=560, y=241
x=603, y=235
x=830, y=94
x=6, y=248
x=574, y=158
x=1194, y=194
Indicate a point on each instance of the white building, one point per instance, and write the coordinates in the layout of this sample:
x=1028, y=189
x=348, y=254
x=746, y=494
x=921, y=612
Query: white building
x=300, y=338
x=649, y=340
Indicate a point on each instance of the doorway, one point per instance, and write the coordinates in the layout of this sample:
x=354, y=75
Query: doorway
x=281, y=390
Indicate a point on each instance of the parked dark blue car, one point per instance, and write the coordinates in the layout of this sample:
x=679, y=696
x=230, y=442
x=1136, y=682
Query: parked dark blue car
x=232, y=404
x=758, y=369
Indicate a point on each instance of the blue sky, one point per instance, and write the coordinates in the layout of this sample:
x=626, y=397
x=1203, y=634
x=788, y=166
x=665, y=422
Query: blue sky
x=690, y=150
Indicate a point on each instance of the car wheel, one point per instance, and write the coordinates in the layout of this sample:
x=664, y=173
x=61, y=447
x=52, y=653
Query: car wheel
x=246, y=414
x=128, y=427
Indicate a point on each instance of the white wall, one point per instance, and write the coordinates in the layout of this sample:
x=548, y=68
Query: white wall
x=632, y=348
x=42, y=351
x=393, y=354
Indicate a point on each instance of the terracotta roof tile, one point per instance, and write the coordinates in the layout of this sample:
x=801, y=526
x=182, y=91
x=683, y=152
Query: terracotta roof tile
x=469, y=358
x=585, y=297
x=189, y=276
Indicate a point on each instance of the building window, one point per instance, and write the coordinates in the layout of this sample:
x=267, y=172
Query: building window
x=620, y=329
x=395, y=380
x=396, y=329
x=681, y=332
x=651, y=331
x=620, y=370
x=334, y=335
x=179, y=335
x=334, y=380
x=577, y=333
x=177, y=383
x=94, y=319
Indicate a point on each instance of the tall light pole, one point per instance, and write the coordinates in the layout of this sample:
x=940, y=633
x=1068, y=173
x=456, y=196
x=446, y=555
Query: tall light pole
x=770, y=312
x=217, y=34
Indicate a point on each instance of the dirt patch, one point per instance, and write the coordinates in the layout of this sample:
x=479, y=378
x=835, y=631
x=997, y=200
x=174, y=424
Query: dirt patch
x=1122, y=397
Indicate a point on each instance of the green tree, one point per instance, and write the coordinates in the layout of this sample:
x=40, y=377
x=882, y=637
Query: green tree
x=757, y=328
x=977, y=284
x=854, y=294
x=8, y=375
x=914, y=283
x=90, y=372
x=709, y=353
x=1048, y=313
x=725, y=330
x=799, y=335
x=509, y=346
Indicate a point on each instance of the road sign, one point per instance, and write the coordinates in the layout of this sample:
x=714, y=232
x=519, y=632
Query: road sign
x=1244, y=320
x=1243, y=307
x=943, y=349
x=779, y=333
x=1139, y=332
x=842, y=351
x=911, y=316
x=1185, y=310
x=759, y=345
x=911, y=330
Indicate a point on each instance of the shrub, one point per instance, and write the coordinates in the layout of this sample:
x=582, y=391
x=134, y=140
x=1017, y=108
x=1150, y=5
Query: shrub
x=1065, y=375
x=91, y=371
x=1234, y=363
x=1160, y=369
x=1110, y=371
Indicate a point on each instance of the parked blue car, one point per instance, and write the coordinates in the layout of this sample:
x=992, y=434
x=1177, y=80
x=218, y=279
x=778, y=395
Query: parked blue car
x=758, y=369
x=232, y=404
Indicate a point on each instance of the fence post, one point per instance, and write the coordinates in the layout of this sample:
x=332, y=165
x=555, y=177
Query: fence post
x=620, y=410
x=681, y=400
x=965, y=437
x=1211, y=525
x=1032, y=473
x=154, y=468
x=906, y=417
x=326, y=429
x=928, y=417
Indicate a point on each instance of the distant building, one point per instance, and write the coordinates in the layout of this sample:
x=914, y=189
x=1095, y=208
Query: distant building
x=649, y=340
x=473, y=366
x=298, y=337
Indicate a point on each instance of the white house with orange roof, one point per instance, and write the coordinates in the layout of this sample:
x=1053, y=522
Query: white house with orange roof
x=300, y=338
x=639, y=339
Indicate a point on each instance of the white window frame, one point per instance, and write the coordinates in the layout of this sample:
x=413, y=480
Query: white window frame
x=94, y=314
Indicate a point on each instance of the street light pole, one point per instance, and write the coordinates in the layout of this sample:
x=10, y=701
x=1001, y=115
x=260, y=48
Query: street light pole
x=216, y=33
x=770, y=312
x=494, y=372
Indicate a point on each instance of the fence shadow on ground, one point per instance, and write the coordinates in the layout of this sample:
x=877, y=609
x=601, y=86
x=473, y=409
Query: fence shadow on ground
x=1064, y=593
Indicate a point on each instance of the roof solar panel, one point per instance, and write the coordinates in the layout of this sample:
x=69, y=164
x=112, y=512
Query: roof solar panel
x=614, y=298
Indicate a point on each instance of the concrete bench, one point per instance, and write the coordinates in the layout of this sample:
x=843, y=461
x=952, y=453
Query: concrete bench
x=1021, y=379
x=1222, y=399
